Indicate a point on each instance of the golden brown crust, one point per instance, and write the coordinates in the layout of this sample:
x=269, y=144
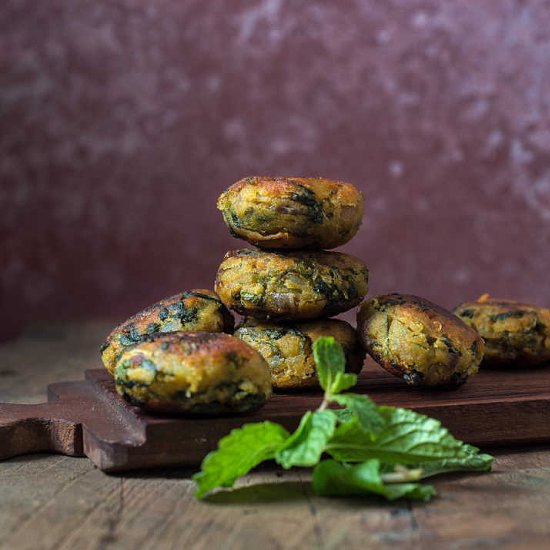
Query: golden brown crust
x=288, y=349
x=190, y=372
x=418, y=340
x=290, y=286
x=516, y=334
x=285, y=212
x=193, y=310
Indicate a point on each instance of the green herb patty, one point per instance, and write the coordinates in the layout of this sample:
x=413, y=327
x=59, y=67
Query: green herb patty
x=290, y=285
x=292, y=212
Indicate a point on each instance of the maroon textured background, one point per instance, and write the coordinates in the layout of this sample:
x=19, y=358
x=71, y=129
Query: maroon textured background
x=121, y=121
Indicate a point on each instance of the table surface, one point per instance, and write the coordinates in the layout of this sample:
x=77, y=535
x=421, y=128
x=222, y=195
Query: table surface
x=65, y=503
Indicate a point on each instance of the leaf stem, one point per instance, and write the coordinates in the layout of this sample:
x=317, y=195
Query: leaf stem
x=324, y=404
x=402, y=475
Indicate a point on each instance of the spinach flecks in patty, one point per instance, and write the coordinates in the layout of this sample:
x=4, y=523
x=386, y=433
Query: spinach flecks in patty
x=468, y=313
x=233, y=358
x=152, y=328
x=450, y=346
x=414, y=377
x=164, y=314
x=250, y=297
x=148, y=365
x=508, y=314
x=187, y=315
x=127, y=339
x=307, y=197
x=322, y=288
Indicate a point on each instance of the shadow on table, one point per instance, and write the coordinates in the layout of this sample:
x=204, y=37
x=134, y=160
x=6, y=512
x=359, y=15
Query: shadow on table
x=186, y=472
x=261, y=493
x=294, y=491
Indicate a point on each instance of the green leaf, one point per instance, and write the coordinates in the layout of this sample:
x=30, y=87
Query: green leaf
x=342, y=382
x=306, y=445
x=329, y=361
x=330, y=478
x=406, y=437
x=343, y=415
x=471, y=463
x=237, y=453
x=364, y=409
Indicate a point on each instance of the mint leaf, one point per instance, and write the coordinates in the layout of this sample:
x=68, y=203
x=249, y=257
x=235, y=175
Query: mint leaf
x=237, y=453
x=406, y=437
x=306, y=445
x=329, y=361
x=343, y=381
x=343, y=415
x=330, y=478
x=364, y=409
x=471, y=463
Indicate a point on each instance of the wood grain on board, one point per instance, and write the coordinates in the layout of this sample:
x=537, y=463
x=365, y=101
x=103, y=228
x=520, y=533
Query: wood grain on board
x=89, y=418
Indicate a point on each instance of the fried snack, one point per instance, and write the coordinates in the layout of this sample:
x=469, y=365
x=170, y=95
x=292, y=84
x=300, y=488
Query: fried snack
x=288, y=349
x=516, y=335
x=194, y=310
x=419, y=341
x=292, y=212
x=193, y=372
x=290, y=286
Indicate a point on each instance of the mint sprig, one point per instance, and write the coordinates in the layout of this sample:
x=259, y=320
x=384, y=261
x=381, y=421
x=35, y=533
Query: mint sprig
x=378, y=450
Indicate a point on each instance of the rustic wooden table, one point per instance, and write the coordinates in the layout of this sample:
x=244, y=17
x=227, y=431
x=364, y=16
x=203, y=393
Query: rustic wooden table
x=65, y=503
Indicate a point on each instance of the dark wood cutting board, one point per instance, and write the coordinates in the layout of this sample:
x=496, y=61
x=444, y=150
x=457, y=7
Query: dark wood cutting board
x=89, y=418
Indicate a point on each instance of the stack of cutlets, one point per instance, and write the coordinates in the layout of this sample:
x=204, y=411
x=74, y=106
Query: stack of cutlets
x=289, y=286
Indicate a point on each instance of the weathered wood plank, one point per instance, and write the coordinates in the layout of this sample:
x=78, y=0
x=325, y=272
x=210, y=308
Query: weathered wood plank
x=507, y=509
x=68, y=504
x=58, y=502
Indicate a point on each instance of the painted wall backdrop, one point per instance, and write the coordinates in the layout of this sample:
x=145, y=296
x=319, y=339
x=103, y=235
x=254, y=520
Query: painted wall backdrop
x=122, y=120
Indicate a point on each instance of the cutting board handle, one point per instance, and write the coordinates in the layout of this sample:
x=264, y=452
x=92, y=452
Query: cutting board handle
x=37, y=428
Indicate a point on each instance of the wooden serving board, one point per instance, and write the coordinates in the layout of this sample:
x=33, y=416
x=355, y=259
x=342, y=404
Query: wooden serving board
x=89, y=418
